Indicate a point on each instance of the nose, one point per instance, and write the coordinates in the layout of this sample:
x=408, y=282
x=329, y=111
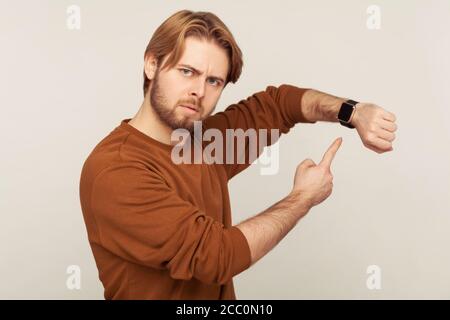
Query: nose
x=198, y=88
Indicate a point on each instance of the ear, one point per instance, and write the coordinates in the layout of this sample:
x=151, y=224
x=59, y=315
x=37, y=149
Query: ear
x=150, y=64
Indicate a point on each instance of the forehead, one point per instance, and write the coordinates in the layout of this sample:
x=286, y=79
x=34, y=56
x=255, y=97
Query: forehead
x=205, y=56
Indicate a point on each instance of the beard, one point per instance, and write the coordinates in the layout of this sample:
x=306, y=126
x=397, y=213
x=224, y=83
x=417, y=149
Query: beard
x=167, y=114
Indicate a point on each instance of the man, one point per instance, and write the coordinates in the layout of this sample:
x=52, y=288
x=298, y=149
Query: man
x=162, y=230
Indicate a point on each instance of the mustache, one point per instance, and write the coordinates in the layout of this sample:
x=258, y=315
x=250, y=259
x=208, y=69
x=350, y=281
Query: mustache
x=190, y=102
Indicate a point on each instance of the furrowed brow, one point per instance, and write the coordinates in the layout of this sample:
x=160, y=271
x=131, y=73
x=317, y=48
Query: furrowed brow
x=199, y=72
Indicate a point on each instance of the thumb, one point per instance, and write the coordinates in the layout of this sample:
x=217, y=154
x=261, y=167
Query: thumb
x=307, y=163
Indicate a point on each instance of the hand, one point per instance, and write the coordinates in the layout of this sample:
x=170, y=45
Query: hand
x=375, y=126
x=315, y=182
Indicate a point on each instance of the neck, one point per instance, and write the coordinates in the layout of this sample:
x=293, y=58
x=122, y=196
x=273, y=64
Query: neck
x=148, y=122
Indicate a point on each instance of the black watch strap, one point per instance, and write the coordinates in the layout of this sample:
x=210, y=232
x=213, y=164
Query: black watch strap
x=345, y=113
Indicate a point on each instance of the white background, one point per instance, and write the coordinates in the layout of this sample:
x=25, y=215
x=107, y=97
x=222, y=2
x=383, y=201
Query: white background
x=62, y=90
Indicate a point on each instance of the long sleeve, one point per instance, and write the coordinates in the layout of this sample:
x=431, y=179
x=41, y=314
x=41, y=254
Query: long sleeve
x=274, y=108
x=140, y=219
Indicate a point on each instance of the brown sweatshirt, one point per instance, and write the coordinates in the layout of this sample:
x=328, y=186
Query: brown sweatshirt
x=160, y=230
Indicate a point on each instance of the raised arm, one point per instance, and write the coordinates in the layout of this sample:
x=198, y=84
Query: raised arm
x=375, y=125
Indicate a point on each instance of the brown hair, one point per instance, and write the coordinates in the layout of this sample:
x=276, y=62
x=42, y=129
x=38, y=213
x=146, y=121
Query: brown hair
x=169, y=39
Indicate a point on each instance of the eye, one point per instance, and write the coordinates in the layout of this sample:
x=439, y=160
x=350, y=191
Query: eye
x=186, y=72
x=217, y=83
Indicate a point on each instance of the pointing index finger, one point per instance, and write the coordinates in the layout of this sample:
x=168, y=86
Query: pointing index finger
x=331, y=152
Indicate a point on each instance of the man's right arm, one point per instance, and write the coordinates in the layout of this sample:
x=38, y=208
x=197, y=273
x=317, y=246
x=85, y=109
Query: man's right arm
x=265, y=230
x=313, y=183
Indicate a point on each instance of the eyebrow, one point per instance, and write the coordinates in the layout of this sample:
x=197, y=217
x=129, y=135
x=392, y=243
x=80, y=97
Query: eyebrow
x=199, y=72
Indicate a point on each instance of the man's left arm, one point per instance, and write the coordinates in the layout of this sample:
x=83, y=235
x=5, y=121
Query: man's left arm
x=375, y=125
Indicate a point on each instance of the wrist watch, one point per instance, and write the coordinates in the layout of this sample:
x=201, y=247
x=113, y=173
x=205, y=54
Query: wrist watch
x=346, y=113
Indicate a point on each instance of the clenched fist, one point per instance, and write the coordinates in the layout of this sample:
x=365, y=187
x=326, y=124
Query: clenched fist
x=376, y=127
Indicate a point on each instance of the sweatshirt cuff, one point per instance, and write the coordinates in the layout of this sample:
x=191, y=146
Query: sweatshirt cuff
x=242, y=256
x=293, y=100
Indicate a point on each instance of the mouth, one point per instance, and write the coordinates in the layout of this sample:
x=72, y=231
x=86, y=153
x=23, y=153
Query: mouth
x=190, y=107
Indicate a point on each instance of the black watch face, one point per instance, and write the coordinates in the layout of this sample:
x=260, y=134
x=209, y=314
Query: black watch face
x=345, y=112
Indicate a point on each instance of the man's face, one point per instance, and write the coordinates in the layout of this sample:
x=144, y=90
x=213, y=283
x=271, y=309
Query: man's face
x=197, y=79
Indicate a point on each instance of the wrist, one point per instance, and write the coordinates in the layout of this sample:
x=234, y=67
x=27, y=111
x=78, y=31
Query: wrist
x=354, y=117
x=346, y=113
x=300, y=201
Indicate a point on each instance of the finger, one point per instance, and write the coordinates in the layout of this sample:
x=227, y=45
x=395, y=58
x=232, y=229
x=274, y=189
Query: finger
x=386, y=135
x=388, y=125
x=331, y=152
x=389, y=116
x=308, y=163
x=376, y=149
x=380, y=145
x=311, y=163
